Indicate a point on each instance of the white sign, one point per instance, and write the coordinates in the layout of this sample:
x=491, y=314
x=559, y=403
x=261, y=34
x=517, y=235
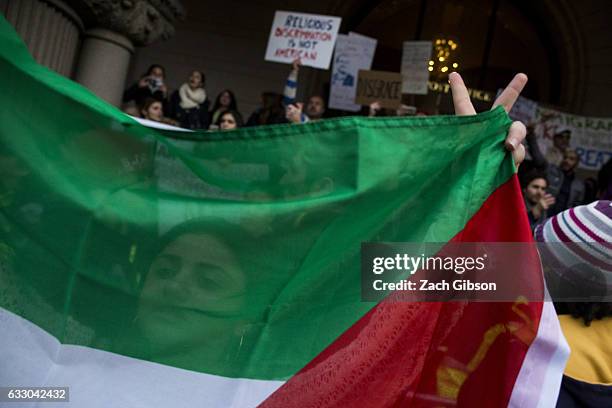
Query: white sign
x=590, y=137
x=415, y=59
x=308, y=37
x=353, y=52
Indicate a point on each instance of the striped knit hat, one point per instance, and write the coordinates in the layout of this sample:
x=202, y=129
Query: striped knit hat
x=579, y=245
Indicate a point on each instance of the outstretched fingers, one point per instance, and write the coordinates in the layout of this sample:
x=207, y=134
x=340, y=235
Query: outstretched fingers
x=511, y=93
x=461, y=97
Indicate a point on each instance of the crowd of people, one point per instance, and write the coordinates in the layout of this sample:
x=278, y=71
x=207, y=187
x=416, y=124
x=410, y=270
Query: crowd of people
x=189, y=106
x=550, y=182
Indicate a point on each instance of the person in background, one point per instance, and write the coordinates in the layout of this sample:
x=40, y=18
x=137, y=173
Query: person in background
x=537, y=200
x=132, y=110
x=290, y=91
x=271, y=112
x=150, y=85
x=563, y=183
x=294, y=114
x=577, y=267
x=229, y=120
x=561, y=142
x=604, y=181
x=152, y=109
x=375, y=109
x=590, y=189
x=315, y=106
x=189, y=104
x=226, y=100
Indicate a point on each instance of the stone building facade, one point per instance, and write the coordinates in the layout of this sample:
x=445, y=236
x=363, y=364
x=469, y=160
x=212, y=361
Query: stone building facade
x=565, y=46
x=92, y=41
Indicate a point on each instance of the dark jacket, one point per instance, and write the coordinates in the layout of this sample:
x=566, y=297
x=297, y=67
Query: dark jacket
x=194, y=118
x=266, y=117
x=556, y=177
x=139, y=95
x=532, y=221
x=579, y=394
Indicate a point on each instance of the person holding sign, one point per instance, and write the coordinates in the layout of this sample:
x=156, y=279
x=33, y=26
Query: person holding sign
x=315, y=107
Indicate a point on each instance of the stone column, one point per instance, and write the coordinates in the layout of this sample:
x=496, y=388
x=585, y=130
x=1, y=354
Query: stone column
x=49, y=28
x=104, y=62
x=111, y=28
x=114, y=28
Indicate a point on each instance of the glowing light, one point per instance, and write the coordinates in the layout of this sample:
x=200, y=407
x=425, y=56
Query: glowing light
x=444, y=57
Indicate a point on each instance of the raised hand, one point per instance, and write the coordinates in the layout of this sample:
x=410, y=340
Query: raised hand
x=374, y=108
x=293, y=112
x=547, y=201
x=296, y=64
x=463, y=106
x=144, y=82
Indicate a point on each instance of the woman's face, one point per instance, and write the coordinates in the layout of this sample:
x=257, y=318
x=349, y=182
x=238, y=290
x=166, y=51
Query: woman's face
x=157, y=72
x=154, y=112
x=225, y=99
x=195, y=80
x=227, y=122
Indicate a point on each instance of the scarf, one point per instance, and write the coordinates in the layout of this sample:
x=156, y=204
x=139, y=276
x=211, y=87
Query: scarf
x=191, y=98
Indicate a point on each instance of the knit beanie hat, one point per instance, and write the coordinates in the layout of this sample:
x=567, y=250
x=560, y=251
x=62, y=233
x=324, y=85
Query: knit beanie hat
x=576, y=252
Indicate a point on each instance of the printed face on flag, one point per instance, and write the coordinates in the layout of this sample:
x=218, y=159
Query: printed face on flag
x=194, y=280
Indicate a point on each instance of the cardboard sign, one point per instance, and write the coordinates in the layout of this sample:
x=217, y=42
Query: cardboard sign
x=309, y=37
x=415, y=58
x=381, y=86
x=353, y=52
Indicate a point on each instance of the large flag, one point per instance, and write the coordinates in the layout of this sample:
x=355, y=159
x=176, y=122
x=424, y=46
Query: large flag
x=143, y=267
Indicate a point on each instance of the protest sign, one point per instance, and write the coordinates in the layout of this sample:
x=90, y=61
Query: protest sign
x=590, y=137
x=524, y=109
x=415, y=57
x=353, y=52
x=308, y=37
x=381, y=86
